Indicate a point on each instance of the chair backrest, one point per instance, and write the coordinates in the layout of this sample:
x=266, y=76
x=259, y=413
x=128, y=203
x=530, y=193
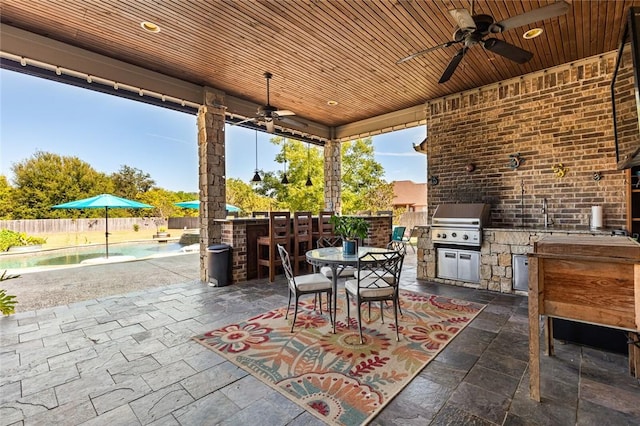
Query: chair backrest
x=398, y=233
x=329, y=242
x=324, y=227
x=279, y=227
x=399, y=246
x=286, y=265
x=260, y=214
x=302, y=226
x=379, y=269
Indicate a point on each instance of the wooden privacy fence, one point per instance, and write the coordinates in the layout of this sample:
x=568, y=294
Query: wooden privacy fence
x=411, y=219
x=44, y=226
x=184, y=223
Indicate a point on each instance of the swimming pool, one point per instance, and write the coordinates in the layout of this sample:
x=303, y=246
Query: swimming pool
x=75, y=255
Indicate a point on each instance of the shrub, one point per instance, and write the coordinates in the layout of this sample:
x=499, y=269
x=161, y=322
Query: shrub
x=136, y=227
x=7, y=302
x=10, y=238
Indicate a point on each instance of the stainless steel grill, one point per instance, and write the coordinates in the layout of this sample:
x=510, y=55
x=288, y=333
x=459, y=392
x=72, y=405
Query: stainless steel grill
x=459, y=224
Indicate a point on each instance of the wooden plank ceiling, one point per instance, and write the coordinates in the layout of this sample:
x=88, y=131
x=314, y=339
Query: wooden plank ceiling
x=318, y=50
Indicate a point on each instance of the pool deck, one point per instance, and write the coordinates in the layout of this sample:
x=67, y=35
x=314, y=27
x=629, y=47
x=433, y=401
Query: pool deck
x=128, y=358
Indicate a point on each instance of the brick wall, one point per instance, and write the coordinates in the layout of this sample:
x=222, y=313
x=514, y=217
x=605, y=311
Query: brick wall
x=561, y=115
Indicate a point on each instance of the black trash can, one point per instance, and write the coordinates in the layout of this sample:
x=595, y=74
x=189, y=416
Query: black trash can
x=218, y=259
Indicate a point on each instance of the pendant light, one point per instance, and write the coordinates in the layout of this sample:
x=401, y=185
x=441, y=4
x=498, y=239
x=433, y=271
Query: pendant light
x=308, y=183
x=284, y=180
x=256, y=176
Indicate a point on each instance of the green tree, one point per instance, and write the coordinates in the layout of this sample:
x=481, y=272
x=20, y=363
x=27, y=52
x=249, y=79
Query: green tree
x=47, y=179
x=363, y=187
x=242, y=195
x=163, y=203
x=6, y=198
x=301, y=161
x=129, y=182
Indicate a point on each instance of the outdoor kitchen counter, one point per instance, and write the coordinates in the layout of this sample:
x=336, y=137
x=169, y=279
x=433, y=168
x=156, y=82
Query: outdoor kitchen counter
x=242, y=235
x=499, y=246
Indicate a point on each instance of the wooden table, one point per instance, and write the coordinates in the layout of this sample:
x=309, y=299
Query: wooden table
x=591, y=279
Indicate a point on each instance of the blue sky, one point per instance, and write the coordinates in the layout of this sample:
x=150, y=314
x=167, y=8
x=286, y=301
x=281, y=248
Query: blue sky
x=108, y=132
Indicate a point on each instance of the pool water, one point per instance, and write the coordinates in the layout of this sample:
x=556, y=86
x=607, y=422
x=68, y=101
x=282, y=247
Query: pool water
x=71, y=256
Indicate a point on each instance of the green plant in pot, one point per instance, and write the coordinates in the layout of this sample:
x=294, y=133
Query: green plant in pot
x=350, y=228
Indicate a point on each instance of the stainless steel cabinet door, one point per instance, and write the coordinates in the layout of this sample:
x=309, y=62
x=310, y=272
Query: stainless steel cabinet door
x=447, y=264
x=469, y=266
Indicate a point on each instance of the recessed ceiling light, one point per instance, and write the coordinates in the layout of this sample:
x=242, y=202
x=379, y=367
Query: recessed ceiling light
x=532, y=33
x=150, y=26
x=332, y=103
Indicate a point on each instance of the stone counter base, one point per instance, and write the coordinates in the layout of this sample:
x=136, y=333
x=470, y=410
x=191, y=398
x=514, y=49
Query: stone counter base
x=496, y=255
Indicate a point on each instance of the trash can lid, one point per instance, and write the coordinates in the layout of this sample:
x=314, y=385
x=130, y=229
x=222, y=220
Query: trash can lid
x=218, y=247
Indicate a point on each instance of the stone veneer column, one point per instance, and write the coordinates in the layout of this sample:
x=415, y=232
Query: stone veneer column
x=332, y=176
x=211, y=152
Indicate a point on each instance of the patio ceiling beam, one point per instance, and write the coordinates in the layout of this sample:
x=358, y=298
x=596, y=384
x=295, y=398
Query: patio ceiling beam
x=397, y=120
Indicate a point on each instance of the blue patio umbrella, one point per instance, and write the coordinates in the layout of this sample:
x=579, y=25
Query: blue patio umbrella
x=106, y=201
x=195, y=204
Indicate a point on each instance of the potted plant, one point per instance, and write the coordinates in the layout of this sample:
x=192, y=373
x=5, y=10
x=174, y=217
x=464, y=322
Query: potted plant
x=349, y=228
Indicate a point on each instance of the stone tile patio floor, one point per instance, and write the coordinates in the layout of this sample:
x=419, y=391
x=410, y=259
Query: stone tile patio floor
x=128, y=360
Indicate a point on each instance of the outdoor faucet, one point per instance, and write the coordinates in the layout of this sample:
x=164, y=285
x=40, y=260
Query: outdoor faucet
x=544, y=212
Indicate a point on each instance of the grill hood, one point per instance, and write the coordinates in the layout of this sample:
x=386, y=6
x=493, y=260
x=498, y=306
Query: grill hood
x=474, y=215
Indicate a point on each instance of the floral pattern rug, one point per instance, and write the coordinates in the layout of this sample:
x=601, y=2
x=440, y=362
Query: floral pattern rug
x=333, y=376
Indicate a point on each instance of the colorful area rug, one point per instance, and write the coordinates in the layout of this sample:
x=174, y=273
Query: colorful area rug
x=333, y=376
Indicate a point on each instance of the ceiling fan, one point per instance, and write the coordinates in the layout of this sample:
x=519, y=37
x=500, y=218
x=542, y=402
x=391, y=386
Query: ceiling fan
x=472, y=29
x=268, y=113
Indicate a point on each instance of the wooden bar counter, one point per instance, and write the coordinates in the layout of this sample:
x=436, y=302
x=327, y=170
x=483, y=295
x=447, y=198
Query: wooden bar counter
x=594, y=280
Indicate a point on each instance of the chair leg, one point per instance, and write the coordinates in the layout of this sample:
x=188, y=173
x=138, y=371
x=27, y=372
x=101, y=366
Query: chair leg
x=348, y=305
x=395, y=316
x=382, y=312
x=359, y=321
x=295, y=313
x=288, y=305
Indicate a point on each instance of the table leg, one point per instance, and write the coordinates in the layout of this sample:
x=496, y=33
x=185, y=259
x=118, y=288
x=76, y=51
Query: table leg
x=334, y=283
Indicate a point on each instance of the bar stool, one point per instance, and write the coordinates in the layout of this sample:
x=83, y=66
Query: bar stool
x=301, y=239
x=324, y=228
x=279, y=233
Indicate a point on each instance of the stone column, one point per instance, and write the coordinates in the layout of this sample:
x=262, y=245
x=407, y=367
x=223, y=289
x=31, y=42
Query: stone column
x=211, y=151
x=332, y=176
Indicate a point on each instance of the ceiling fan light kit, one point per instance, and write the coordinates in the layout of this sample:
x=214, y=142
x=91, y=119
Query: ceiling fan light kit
x=532, y=33
x=473, y=29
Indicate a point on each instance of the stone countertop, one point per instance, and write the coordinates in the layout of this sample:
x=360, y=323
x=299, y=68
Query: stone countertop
x=570, y=229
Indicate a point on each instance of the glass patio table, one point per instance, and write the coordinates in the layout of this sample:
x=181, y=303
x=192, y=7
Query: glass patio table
x=334, y=258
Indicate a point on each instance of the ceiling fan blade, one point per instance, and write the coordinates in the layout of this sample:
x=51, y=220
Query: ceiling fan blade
x=243, y=121
x=270, y=126
x=292, y=121
x=507, y=50
x=422, y=52
x=463, y=18
x=453, y=64
x=283, y=112
x=535, y=15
